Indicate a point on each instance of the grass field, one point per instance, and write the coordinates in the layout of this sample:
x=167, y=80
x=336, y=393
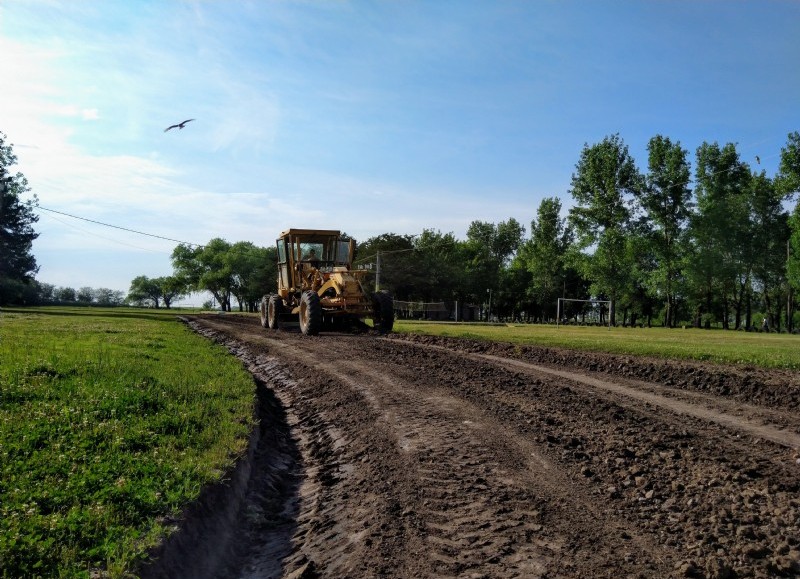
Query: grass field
x=112, y=419
x=109, y=420
x=757, y=349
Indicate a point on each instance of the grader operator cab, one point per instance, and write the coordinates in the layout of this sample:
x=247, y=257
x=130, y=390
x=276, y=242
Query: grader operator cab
x=318, y=286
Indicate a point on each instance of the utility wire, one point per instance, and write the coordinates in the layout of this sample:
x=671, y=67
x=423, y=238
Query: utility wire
x=119, y=227
x=87, y=232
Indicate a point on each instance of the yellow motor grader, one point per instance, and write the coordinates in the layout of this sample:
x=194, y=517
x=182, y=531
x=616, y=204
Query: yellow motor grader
x=318, y=286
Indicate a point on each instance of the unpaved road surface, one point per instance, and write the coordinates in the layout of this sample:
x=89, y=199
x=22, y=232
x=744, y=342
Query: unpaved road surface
x=404, y=456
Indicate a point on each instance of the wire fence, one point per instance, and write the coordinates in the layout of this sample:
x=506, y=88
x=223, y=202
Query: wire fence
x=420, y=309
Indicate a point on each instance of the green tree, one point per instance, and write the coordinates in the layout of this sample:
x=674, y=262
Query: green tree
x=46, y=292
x=787, y=184
x=719, y=231
x=769, y=236
x=666, y=201
x=438, y=258
x=108, y=297
x=517, y=280
x=172, y=288
x=636, y=298
x=17, y=265
x=85, y=295
x=398, y=272
x=65, y=294
x=605, y=179
x=206, y=268
x=545, y=254
x=145, y=291
x=488, y=250
x=254, y=271
x=156, y=291
x=787, y=181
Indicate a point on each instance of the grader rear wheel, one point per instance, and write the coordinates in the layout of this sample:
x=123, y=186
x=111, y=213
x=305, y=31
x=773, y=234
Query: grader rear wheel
x=310, y=313
x=263, y=310
x=274, y=311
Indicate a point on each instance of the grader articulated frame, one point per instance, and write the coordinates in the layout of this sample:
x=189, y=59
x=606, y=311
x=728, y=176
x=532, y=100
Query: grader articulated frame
x=318, y=286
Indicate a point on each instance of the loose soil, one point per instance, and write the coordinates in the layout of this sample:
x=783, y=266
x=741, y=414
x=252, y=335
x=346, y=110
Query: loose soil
x=411, y=456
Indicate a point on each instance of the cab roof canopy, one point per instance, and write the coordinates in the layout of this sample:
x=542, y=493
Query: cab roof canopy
x=311, y=233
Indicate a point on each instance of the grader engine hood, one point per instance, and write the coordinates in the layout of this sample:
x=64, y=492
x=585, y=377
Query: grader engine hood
x=343, y=290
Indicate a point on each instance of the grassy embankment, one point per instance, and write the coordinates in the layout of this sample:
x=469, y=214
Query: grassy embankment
x=728, y=347
x=110, y=420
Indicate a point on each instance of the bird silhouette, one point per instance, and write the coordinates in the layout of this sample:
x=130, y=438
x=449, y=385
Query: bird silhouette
x=179, y=125
x=758, y=160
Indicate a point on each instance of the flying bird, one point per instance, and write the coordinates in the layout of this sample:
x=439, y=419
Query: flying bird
x=179, y=125
x=758, y=160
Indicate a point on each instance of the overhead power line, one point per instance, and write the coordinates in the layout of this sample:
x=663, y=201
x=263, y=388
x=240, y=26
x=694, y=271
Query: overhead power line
x=119, y=227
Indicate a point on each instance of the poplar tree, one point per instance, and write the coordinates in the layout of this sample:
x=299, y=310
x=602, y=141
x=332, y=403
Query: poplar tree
x=787, y=183
x=17, y=263
x=666, y=201
x=768, y=236
x=604, y=182
x=720, y=230
x=545, y=254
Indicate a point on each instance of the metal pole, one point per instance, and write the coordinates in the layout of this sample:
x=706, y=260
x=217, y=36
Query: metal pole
x=378, y=272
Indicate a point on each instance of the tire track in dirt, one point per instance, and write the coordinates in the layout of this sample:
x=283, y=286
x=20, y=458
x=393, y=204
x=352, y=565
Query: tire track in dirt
x=730, y=504
x=477, y=512
x=694, y=409
x=467, y=512
x=423, y=461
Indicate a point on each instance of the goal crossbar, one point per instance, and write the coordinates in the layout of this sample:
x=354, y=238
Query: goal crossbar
x=558, y=308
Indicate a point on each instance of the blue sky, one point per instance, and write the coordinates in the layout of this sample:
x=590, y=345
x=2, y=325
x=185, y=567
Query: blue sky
x=369, y=117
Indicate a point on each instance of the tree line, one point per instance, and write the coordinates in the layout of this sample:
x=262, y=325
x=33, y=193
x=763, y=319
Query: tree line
x=46, y=293
x=668, y=245
x=713, y=243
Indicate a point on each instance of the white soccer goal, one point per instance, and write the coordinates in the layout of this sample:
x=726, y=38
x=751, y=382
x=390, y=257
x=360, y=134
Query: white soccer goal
x=598, y=302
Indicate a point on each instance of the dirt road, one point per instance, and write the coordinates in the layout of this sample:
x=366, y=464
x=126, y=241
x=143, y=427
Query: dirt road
x=421, y=457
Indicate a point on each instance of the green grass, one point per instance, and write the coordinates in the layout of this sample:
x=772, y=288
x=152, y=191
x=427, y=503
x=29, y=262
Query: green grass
x=110, y=420
x=728, y=347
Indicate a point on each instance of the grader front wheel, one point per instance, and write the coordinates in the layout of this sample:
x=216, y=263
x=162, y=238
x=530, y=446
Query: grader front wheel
x=383, y=312
x=310, y=313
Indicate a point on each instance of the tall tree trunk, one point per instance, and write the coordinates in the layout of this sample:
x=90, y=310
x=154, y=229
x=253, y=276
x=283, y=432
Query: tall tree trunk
x=725, y=313
x=748, y=319
x=768, y=311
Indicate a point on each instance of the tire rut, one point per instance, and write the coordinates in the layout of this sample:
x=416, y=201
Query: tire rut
x=419, y=461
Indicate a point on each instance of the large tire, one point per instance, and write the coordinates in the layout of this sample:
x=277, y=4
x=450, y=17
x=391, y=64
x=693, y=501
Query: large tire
x=274, y=311
x=310, y=313
x=382, y=312
x=263, y=310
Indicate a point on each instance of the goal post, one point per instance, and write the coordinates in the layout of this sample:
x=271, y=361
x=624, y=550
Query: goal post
x=558, y=308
